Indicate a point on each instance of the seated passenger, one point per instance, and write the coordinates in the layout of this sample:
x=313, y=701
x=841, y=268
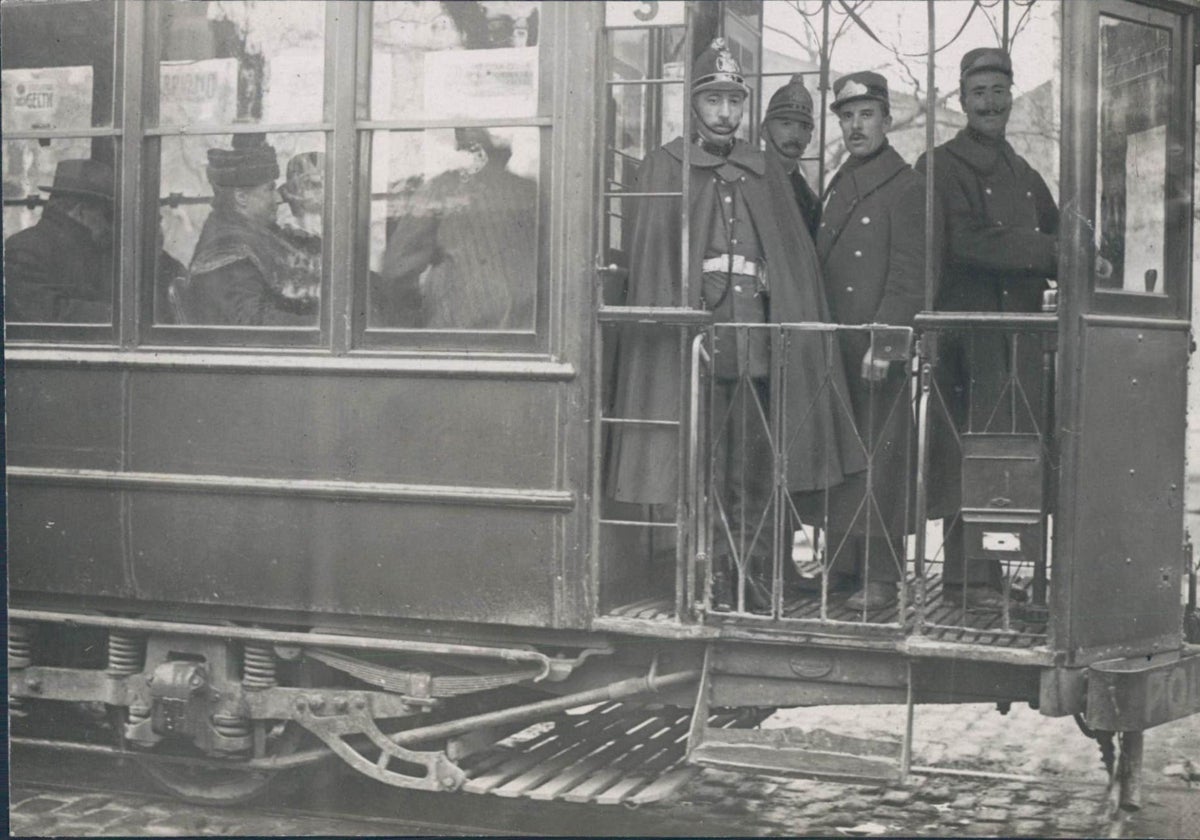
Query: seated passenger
x=242, y=272
x=468, y=242
x=60, y=270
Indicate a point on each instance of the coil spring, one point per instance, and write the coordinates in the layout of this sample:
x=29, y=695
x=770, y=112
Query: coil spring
x=231, y=726
x=124, y=654
x=258, y=667
x=20, y=646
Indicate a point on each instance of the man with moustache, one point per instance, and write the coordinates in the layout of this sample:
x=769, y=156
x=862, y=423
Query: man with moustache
x=787, y=129
x=746, y=265
x=871, y=243
x=1000, y=248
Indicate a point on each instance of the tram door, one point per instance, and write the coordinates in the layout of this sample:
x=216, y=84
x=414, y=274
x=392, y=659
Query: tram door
x=1124, y=345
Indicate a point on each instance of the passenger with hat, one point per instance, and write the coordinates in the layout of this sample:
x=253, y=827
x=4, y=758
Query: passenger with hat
x=787, y=130
x=242, y=272
x=60, y=270
x=749, y=262
x=871, y=243
x=999, y=248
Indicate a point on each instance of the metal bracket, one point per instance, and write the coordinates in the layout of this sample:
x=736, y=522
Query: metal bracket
x=334, y=730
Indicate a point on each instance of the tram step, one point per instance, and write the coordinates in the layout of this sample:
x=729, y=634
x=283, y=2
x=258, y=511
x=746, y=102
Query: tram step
x=795, y=752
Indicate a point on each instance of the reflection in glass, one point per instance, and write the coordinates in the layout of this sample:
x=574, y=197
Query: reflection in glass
x=59, y=200
x=240, y=60
x=252, y=247
x=454, y=228
x=1135, y=98
x=467, y=58
x=57, y=65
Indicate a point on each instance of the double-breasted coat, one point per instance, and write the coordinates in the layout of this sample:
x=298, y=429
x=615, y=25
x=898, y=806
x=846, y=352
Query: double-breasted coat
x=871, y=243
x=998, y=245
x=643, y=463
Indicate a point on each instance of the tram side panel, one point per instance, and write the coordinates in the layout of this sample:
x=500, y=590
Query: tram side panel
x=328, y=492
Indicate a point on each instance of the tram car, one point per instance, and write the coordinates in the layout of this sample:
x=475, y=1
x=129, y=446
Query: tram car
x=322, y=325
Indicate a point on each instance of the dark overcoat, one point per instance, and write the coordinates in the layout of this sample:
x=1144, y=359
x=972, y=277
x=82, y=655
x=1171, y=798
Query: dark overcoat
x=820, y=450
x=871, y=244
x=998, y=244
x=55, y=272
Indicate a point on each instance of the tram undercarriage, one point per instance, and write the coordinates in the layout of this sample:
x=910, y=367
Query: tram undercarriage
x=213, y=714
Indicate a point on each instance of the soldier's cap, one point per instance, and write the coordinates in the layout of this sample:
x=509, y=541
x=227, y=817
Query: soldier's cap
x=717, y=69
x=861, y=85
x=84, y=178
x=985, y=58
x=792, y=101
x=249, y=163
x=305, y=173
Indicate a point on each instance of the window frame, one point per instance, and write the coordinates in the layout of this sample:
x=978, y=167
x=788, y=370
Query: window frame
x=342, y=328
x=37, y=332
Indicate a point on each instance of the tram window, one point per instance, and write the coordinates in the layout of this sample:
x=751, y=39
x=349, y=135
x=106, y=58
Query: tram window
x=453, y=228
x=1135, y=103
x=60, y=240
x=241, y=227
x=57, y=61
x=224, y=62
x=448, y=60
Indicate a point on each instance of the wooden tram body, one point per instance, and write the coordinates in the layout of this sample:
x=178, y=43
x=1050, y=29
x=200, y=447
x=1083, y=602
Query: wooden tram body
x=355, y=534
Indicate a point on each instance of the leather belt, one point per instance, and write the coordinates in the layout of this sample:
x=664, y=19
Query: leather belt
x=732, y=263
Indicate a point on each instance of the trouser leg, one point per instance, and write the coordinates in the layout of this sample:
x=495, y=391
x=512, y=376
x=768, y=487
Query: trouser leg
x=874, y=559
x=957, y=569
x=742, y=478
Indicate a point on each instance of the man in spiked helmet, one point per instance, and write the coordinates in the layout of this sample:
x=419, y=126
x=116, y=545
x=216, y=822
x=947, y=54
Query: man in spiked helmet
x=746, y=265
x=787, y=130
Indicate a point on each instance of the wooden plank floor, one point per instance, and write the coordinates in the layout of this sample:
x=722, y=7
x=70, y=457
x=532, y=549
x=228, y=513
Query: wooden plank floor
x=945, y=617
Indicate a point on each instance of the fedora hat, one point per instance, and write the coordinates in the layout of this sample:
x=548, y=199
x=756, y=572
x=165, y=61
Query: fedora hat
x=82, y=177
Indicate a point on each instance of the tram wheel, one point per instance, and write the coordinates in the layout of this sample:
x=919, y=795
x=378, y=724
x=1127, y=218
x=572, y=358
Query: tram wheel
x=221, y=783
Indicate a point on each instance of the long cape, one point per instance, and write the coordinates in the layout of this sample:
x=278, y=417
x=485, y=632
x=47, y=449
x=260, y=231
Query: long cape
x=819, y=439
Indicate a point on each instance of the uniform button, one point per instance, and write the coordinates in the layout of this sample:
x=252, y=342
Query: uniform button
x=866, y=220
x=858, y=253
x=739, y=288
x=987, y=190
x=849, y=288
x=999, y=223
x=1037, y=230
x=1029, y=195
x=1006, y=292
x=732, y=241
x=822, y=224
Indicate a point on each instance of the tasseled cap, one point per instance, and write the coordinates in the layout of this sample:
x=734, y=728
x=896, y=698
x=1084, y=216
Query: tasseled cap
x=793, y=101
x=863, y=85
x=716, y=69
x=985, y=58
x=249, y=163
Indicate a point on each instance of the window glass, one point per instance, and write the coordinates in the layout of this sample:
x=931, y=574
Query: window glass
x=227, y=61
x=791, y=44
x=241, y=230
x=60, y=240
x=1135, y=102
x=57, y=61
x=472, y=59
x=453, y=228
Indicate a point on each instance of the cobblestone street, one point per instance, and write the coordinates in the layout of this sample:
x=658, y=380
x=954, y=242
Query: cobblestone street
x=1066, y=798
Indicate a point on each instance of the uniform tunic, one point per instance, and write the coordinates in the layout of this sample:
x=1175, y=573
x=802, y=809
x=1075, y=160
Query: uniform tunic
x=871, y=243
x=644, y=460
x=998, y=246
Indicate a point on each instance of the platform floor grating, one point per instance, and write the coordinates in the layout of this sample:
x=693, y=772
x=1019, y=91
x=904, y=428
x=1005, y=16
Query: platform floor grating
x=945, y=618
x=611, y=754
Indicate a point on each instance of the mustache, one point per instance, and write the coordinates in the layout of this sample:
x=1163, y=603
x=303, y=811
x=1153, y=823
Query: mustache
x=858, y=137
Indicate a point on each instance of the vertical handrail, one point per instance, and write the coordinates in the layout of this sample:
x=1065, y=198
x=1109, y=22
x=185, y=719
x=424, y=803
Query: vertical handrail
x=699, y=543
